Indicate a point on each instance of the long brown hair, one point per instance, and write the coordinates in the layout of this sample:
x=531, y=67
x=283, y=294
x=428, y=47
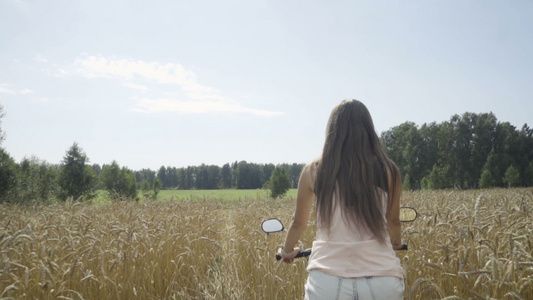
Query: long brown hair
x=354, y=165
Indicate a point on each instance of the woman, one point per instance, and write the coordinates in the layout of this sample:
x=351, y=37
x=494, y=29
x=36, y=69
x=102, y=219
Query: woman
x=357, y=189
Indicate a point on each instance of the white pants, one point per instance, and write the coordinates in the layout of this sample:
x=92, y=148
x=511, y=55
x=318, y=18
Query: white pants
x=322, y=286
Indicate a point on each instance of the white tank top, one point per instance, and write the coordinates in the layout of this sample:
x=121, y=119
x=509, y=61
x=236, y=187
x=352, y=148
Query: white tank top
x=349, y=252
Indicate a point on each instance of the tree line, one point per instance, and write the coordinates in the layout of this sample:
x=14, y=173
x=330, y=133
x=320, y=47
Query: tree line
x=37, y=180
x=468, y=151
x=239, y=175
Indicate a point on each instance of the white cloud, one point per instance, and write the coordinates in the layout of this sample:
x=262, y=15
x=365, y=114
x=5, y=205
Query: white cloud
x=4, y=89
x=139, y=87
x=40, y=58
x=197, y=107
x=99, y=66
x=61, y=73
x=42, y=100
x=198, y=98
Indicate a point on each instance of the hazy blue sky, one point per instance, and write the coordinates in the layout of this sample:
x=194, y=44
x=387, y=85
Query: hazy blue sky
x=178, y=83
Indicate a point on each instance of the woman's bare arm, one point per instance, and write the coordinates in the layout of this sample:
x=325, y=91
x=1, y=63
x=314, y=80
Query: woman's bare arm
x=304, y=203
x=393, y=214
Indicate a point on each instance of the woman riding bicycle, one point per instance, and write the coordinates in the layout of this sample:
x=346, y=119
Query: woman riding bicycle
x=357, y=190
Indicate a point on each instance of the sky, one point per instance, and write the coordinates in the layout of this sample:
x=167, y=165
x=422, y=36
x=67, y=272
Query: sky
x=184, y=83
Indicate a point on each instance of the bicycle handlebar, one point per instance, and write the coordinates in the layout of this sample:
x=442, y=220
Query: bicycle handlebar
x=307, y=252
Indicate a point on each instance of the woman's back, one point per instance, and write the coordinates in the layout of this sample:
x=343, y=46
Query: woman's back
x=341, y=231
x=348, y=251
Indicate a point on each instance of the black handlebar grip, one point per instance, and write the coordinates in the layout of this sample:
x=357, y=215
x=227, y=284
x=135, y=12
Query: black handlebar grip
x=404, y=247
x=302, y=253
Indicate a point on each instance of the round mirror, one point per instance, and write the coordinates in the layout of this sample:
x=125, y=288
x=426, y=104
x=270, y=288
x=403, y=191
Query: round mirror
x=272, y=225
x=408, y=214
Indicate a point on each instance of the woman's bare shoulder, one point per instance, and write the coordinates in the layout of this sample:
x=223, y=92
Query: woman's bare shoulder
x=312, y=166
x=310, y=169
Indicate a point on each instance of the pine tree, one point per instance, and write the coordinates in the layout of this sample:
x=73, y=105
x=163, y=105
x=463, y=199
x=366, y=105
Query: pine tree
x=77, y=179
x=279, y=182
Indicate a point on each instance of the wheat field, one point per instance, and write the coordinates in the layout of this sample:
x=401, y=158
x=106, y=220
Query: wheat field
x=464, y=245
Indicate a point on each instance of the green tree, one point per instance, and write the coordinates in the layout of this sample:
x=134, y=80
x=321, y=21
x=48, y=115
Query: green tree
x=182, y=179
x=97, y=169
x=486, y=180
x=76, y=179
x=248, y=175
x=119, y=182
x=524, y=155
x=162, y=175
x=279, y=182
x=213, y=176
x=243, y=175
x=504, y=151
x=190, y=174
x=202, y=177
x=461, y=148
x=8, y=169
x=404, y=145
x=528, y=174
x=208, y=177
x=425, y=183
x=267, y=172
x=37, y=181
x=172, y=177
x=145, y=188
x=145, y=174
x=150, y=191
x=484, y=128
x=294, y=173
x=437, y=179
x=446, y=143
x=406, y=184
x=429, y=151
x=156, y=187
x=8, y=177
x=512, y=177
x=226, y=177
